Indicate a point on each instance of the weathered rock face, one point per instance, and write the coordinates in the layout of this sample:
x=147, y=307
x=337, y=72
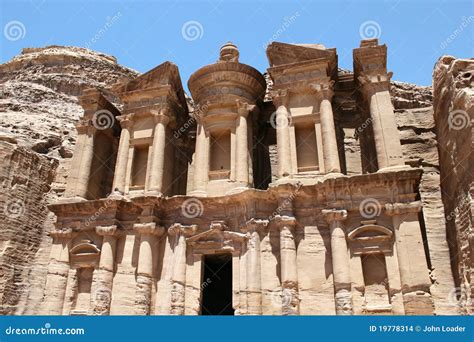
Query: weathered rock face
x=453, y=88
x=38, y=111
x=25, y=179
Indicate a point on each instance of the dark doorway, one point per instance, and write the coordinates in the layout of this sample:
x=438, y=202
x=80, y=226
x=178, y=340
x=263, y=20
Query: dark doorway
x=216, y=285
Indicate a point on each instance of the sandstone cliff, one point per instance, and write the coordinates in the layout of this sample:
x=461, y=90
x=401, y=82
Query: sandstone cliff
x=39, y=107
x=453, y=85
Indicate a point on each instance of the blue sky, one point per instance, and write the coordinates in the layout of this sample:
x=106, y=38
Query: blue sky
x=143, y=34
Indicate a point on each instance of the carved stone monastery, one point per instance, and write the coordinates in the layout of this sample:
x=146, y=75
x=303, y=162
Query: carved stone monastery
x=172, y=212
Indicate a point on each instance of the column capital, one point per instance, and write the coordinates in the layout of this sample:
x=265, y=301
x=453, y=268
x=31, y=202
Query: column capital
x=244, y=108
x=160, y=117
x=323, y=90
x=332, y=215
x=126, y=121
x=280, y=97
x=85, y=126
x=106, y=230
x=375, y=82
x=181, y=229
x=63, y=233
x=150, y=228
x=392, y=209
x=284, y=221
x=254, y=225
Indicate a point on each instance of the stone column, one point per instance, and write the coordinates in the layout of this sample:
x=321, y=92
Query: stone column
x=149, y=237
x=103, y=294
x=282, y=121
x=58, y=270
x=254, y=275
x=158, y=154
x=78, y=181
x=126, y=121
x=340, y=261
x=375, y=89
x=288, y=265
x=242, y=148
x=201, y=161
x=414, y=273
x=325, y=93
x=180, y=233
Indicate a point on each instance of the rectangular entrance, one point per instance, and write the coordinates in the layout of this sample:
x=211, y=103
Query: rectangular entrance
x=216, y=285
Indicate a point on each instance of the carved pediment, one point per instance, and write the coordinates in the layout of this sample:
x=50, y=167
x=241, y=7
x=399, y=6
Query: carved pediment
x=370, y=238
x=216, y=238
x=84, y=254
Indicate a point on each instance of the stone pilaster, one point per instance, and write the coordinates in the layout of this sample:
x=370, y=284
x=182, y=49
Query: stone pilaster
x=157, y=168
x=288, y=264
x=78, y=182
x=149, y=234
x=105, y=274
x=324, y=93
x=180, y=233
x=254, y=228
x=414, y=273
x=282, y=121
x=340, y=261
x=58, y=270
x=126, y=121
x=376, y=92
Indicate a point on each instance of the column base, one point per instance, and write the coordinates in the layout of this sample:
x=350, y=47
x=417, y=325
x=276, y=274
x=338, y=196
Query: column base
x=237, y=189
x=116, y=195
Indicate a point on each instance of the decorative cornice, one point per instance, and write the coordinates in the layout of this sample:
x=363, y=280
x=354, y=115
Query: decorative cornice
x=393, y=209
